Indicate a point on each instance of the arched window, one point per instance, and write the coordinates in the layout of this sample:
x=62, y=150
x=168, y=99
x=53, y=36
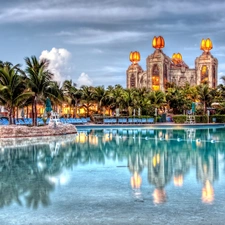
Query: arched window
x=204, y=74
x=192, y=81
x=155, y=78
x=132, y=81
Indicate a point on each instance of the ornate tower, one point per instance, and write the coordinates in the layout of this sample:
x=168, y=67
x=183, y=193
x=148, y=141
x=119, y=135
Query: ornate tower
x=158, y=65
x=206, y=65
x=162, y=69
x=134, y=70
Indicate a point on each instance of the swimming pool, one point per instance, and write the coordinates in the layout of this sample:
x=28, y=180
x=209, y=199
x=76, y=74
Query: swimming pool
x=116, y=176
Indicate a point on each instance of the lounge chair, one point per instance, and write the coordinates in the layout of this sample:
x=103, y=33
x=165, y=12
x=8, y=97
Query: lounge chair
x=143, y=120
x=130, y=120
x=150, y=120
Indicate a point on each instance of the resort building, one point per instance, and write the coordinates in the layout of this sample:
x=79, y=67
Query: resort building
x=161, y=69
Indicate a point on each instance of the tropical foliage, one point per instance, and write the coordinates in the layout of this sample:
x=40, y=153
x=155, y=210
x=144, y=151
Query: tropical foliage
x=33, y=85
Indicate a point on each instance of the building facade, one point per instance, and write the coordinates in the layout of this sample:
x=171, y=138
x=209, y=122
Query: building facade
x=161, y=69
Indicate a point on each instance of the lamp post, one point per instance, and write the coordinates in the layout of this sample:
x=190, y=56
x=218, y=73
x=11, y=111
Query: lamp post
x=156, y=110
x=208, y=114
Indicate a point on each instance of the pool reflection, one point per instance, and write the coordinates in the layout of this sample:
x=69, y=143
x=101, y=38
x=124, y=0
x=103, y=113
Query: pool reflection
x=29, y=174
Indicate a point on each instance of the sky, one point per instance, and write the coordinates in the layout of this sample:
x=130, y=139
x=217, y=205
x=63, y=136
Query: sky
x=89, y=41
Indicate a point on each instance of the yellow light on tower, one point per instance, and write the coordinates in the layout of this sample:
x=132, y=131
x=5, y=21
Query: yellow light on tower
x=206, y=45
x=176, y=58
x=158, y=42
x=135, y=57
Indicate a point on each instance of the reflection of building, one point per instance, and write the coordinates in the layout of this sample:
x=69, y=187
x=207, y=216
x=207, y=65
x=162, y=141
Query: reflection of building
x=159, y=173
x=136, y=165
x=207, y=173
x=161, y=69
x=181, y=165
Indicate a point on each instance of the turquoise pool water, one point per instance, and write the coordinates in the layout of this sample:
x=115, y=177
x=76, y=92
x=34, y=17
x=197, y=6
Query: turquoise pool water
x=115, y=176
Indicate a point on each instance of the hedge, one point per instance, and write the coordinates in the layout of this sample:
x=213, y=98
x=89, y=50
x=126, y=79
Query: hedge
x=198, y=119
x=219, y=118
x=179, y=119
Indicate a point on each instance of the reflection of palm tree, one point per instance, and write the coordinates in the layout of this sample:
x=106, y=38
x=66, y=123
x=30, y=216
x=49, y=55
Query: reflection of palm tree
x=39, y=191
x=20, y=175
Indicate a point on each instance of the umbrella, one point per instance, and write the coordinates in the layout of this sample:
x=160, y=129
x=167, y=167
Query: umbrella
x=117, y=112
x=48, y=106
x=156, y=110
x=45, y=113
x=139, y=111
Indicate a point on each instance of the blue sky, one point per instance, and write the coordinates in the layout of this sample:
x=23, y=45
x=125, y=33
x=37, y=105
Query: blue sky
x=90, y=41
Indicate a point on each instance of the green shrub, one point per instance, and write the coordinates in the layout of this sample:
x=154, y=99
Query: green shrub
x=219, y=118
x=179, y=119
x=201, y=119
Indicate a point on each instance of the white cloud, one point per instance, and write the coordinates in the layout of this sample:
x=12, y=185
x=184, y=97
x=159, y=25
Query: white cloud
x=90, y=36
x=84, y=79
x=58, y=62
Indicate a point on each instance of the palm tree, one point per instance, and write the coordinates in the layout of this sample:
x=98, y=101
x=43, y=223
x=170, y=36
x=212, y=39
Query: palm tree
x=175, y=99
x=157, y=98
x=204, y=95
x=127, y=100
x=143, y=100
x=115, y=96
x=55, y=93
x=71, y=94
x=12, y=88
x=87, y=97
x=39, y=81
x=100, y=95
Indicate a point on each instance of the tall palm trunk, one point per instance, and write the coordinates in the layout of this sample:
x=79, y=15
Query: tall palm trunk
x=17, y=113
x=75, y=108
x=204, y=105
x=34, y=111
x=35, y=114
x=27, y=112
x=10, y=116
x=13, y=115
